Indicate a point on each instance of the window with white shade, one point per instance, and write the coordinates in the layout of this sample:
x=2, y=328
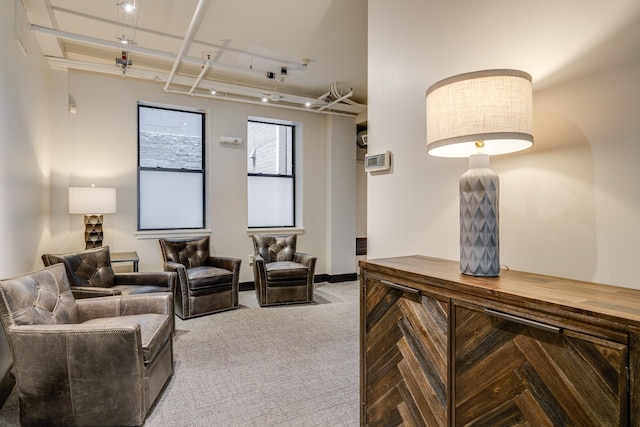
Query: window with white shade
x=270, y=174
x=171, y=161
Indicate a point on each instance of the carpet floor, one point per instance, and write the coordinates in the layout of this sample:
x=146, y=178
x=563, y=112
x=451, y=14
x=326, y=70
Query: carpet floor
x=294, y=365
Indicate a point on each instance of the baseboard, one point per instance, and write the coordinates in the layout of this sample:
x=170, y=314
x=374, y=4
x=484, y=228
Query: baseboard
x=331, y=278
x=246, y=286
x=335, y=278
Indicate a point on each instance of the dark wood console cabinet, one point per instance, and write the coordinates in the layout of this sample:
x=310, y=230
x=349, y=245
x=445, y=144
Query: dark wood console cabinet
x=439, y=348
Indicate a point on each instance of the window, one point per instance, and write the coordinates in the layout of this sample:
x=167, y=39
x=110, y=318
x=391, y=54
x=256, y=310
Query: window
x=270, y=174
x=171, y=166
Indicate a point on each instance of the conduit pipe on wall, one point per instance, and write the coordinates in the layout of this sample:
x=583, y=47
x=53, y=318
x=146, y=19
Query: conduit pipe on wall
x=188, y=38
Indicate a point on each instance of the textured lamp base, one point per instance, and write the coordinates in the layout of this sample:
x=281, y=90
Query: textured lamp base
x=93, y=231
x=479, y=240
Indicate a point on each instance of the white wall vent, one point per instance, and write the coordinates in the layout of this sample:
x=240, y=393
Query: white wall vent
x=377, y=162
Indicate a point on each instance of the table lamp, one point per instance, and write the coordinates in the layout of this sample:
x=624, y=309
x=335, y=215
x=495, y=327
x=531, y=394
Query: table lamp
x=476, y=115
x=92, y=202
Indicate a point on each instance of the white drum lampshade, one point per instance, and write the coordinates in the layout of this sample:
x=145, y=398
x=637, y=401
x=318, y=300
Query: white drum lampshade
x=92, y=202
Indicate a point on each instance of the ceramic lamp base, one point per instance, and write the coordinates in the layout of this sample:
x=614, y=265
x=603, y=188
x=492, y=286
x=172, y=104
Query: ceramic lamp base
x=479, y=240
x=93, y=231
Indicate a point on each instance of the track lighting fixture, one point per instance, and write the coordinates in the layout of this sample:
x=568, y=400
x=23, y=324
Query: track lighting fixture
x=124, y=40
x=127, y=6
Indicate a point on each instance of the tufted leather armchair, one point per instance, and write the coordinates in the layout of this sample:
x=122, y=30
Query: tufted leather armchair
x=91, y=275
x=206, y=284
x=88, y=362
x=281, y=275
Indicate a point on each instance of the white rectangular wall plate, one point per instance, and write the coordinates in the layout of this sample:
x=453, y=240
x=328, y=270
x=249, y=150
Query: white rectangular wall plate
x=231, y=140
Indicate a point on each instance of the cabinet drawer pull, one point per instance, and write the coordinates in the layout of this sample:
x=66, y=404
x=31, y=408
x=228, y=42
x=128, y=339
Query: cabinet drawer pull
x=400, y=287
x=522, y=321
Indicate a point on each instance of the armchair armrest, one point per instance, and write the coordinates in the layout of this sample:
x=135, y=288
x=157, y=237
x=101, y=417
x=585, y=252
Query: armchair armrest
x=124, y=305
x=80, y=292
x=227, y=263
x=180, y=271
x=309, y=261
x=304, y=259
x=163, y=279
x=259, y=269
x=79, y=358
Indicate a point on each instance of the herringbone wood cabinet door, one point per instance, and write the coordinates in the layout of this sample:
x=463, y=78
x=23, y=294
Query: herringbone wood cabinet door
x=442, y=348
x=510, y=374
x=405, y=357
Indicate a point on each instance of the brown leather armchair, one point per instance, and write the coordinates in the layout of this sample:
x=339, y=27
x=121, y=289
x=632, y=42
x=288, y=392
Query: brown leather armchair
x=94, y=361
x=206, y=284
x=90, y=275
x=281, y=275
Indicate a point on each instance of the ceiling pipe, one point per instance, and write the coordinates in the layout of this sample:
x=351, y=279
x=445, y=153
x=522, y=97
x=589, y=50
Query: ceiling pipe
x=205, y=68
x=334, y=92
x=342, y=98
x=100, y=43
x=291, y=65
x=61, y=63
x=274, y=105
x=140, y=50
x=188, y=38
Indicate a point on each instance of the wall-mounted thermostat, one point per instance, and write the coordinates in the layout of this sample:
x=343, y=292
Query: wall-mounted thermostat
x=377, y=162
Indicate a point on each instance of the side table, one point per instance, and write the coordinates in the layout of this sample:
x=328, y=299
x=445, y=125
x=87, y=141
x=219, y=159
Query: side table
x=126, y=257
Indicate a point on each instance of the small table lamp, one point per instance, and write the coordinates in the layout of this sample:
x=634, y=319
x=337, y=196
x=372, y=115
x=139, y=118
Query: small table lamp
x=92, y=202
x=476, y=115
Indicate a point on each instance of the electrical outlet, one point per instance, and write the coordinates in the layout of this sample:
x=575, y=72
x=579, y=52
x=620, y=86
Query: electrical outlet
x=250, y=259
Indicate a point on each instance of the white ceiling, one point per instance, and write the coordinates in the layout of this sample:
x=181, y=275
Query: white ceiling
x=193, y=46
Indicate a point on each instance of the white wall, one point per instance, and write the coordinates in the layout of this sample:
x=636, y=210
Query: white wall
x=25, y=107
x=569, y=206
x=341, y=194
x=24, y=164
x=102, y=150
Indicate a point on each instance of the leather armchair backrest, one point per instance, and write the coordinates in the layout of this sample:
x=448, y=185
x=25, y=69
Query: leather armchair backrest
x=275, y=248
x=91, y=267
x=38, y=298
x=190, y=253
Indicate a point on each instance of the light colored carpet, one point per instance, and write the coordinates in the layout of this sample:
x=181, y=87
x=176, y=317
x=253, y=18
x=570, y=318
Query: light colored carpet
x=294, y=365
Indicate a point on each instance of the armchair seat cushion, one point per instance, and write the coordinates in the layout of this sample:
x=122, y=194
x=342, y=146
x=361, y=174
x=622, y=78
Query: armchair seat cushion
x=155, y=330
x=205, y=277
x=286, y=270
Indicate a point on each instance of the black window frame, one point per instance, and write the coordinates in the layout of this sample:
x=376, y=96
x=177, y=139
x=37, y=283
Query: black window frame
x=202, y=170
x=292, y=176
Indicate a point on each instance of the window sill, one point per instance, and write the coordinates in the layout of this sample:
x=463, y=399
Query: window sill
x=155, y=234
x=275, y=230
